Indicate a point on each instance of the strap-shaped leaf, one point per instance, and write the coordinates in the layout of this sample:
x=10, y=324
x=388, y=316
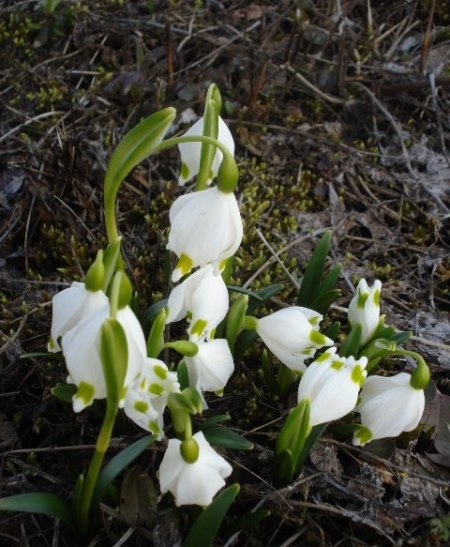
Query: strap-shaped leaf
x=155, y=341
x=64, y=392
x=248, y=521
x=314, y=271
x=139, y=143
x=311, y=440
x=117, y=464
x=205, y=528
x=39, y=502
x=284, y=467
x=114, y=356
x=295, y=430
x=235, y=319
x=350, y=345
x=226, y=438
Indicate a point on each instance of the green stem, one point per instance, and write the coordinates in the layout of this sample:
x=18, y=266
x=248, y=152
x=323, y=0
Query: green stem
x=227, y=156
x=421, y=375
x=103, y=440
x=115, y=290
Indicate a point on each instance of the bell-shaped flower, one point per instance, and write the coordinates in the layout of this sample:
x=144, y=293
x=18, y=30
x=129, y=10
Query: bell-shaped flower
x=211, y=367
x=331, y=383
x=388, y=406
x=191, y=151
x=193, y=483
x=206, y=227
x=204, y=296
x=71, y=306
x=147, y=395
x=292, y=335
x=81, y=349
x=364, y=309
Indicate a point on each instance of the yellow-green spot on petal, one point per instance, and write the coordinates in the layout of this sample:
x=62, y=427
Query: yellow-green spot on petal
x=184, y=264
x=222, y=264
x=362, y=297
x=160, y=372
x=51, y=345
x=324, y=357
x=376, y=297
x=308, y=351
x=357, y=374
x=314, y=320
x=156, y=389
x=154, y=427
x=199, y=327
x=337, y=365
x=143, y=384
x=85, y=392
x=141, y=406
x=317, y=337
x=184, y=171
x=363, y=434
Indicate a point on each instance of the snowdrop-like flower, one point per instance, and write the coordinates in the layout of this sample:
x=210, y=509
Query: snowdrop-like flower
x=147, y=395
x=190, y=151
x=211, y=367
x=71, y=306
x=332, y=383
x=388, y=406
x=364, y=309
x=206, y=227
x=204, y=296
x=193, y=483
x=292, y=335
x=81, y=349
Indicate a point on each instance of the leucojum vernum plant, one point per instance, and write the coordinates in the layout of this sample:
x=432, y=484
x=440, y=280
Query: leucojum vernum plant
x=109, y=356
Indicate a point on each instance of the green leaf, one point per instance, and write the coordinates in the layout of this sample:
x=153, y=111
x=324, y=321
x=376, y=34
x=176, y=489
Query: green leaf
x=116, y=465
x=47, y=355
x=350, y=345
x=64, y=392
x=311, y=440
x=235, y=319
x=213, y=420
x=152, y=311
x=39, y=502
x=262, y=295
x=314, y=271
x=295, y=430
x=155, y=341
x=206, y=526
x=226, y=438
x=138, y=144
x=249, y=520
x=183, y=375
x=333, y=330
x=114, y=356
x=284, y=467
x=323, y=301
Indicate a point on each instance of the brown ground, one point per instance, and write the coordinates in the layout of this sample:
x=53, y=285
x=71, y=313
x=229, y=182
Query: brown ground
x=341, y=118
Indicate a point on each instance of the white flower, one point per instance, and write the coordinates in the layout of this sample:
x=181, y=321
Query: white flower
x=190, y=151
x=81, y=349
x=147, y=395
x=364, y=309
x=69, y=307
x=193, y=483
x=388, y=406
x=204, y=296
x=211, y=367
x=291, y=334
x=332, y=383
x=206, y=227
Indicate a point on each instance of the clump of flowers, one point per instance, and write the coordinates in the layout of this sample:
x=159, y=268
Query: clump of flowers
x=109, y=356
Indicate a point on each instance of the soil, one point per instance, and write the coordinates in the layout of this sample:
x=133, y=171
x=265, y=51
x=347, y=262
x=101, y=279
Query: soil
x=340, y=114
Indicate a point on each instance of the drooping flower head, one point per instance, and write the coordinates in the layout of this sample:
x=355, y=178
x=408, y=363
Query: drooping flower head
x=191, y=151
x=364, y=309
x=71, y=306
x=388, y=406
x=204, y=296
x=193, y=483
x=292, y=335
x=81, y=349
x=147, y=395
x=206, y=228
x=332, y=383
x=211, y=367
